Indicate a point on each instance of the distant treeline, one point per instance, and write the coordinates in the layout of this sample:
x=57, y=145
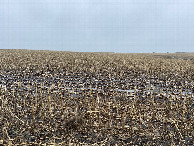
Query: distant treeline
x=184, y=52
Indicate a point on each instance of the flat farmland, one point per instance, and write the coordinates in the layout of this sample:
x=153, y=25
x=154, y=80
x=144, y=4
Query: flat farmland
x=76, y=98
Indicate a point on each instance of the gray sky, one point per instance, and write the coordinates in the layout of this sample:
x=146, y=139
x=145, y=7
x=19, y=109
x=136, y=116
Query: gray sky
x=98, y=25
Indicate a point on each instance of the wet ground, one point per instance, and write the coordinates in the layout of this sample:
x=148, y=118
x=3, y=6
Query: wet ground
x=94, y=98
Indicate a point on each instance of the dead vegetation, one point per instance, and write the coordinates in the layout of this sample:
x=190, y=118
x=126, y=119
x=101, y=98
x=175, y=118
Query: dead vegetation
x=64, y=98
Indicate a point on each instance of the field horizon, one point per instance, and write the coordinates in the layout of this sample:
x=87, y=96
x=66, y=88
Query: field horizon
x=183, y=52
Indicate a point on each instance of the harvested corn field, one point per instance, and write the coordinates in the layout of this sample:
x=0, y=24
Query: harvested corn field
x=69, y=98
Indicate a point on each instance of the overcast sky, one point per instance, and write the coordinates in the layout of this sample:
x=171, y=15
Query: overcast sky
x=98, y=25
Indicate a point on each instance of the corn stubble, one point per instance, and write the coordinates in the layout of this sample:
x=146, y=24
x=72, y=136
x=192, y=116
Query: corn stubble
x=66, y=98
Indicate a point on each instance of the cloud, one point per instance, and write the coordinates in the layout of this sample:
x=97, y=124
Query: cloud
x=87, y=25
